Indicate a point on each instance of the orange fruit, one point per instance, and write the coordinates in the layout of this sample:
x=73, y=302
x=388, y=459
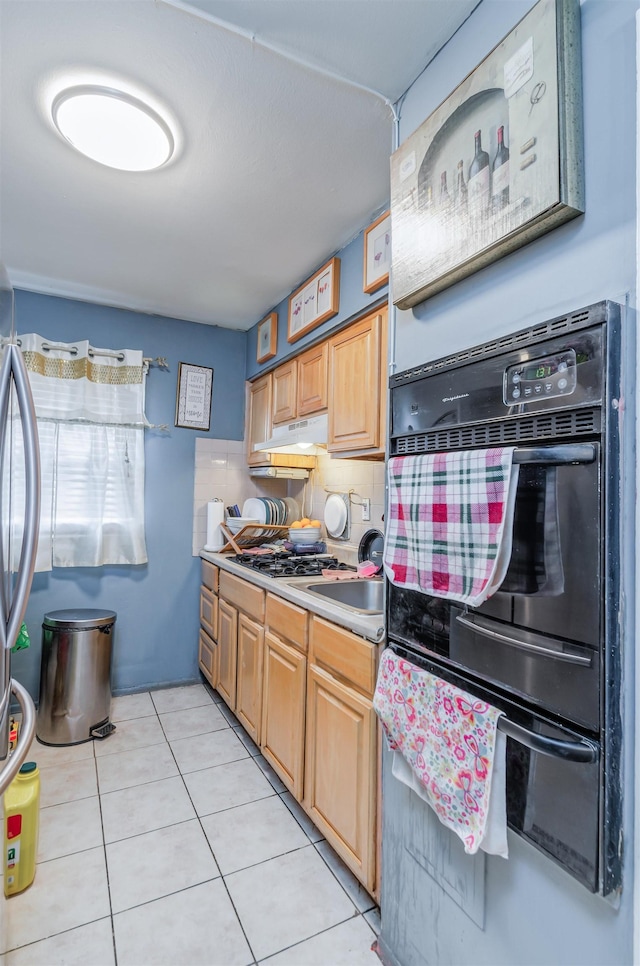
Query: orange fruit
x=296, y=525
x=315, y=523
x=305, y=522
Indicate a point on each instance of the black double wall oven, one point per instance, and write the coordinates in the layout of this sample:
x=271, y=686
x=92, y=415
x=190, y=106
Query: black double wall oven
x=545, y=648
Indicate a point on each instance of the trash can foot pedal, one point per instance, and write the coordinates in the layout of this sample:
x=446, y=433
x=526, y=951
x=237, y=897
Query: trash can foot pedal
x=103, y=731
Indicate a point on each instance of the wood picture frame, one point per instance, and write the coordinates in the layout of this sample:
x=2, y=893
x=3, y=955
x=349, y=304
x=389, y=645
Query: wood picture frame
x=315, y=301
x=193, y=396
x=377, y=254
x=267, y=337
x=525, y=97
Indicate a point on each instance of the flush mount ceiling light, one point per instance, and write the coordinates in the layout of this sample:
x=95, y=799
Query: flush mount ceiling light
x=112, y=127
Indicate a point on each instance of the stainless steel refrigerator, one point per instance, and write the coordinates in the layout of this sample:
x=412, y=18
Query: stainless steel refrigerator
x=19, y=520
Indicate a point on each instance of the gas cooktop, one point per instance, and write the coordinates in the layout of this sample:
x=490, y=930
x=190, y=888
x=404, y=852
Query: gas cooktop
x=287, y=564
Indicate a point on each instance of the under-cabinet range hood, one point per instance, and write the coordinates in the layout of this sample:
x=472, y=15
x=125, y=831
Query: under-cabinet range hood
x=279, y=472
x=301, y=438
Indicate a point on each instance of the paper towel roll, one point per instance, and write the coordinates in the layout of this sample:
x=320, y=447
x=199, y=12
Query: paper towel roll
x=215, y=516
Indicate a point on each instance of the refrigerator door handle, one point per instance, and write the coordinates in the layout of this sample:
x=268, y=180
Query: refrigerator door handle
x=5, y=580
x=5, y=393
x=32, y=496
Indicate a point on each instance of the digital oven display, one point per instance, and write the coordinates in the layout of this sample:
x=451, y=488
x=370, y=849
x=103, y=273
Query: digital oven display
x=540, y=371
x=546, y=378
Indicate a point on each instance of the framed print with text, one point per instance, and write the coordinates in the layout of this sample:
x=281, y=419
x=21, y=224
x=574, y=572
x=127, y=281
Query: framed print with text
x=193, y=396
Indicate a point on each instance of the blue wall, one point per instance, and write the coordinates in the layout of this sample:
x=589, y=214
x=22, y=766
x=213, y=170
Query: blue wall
x=534, y=912
x=353, y=301
x=156, y=634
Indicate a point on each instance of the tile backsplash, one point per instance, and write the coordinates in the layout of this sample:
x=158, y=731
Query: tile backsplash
x=221, y=471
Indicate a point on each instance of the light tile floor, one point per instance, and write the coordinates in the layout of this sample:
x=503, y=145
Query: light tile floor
x=173, y=841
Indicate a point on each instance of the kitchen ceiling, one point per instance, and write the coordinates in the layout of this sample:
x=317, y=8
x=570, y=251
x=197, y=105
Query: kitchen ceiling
x=282, y=109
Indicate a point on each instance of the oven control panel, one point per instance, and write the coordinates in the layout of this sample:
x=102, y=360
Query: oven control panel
x=546, y=377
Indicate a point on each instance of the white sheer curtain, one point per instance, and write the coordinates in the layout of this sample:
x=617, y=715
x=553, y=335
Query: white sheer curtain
x=90, y=411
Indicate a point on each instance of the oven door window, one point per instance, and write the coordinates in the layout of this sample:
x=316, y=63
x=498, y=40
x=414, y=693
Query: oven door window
x=554, y=575
x=554, y=804
x=536, y=557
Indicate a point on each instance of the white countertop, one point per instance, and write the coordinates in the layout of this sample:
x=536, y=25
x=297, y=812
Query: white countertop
x=291, y=589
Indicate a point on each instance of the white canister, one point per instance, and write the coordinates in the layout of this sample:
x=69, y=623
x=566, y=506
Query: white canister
x=215, y=516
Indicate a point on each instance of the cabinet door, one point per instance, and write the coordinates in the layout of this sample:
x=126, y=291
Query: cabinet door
x=209, y=612
x=284, y=392
x=313, y=378
x=249, y=675
x=355, y=358
x=340, y=771
x=283, y=711
x=208, y=658
x=228, y=652
x=258, y=419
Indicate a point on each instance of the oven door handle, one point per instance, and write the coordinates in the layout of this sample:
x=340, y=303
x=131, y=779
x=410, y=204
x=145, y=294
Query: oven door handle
x=556, y=455
x=583, y=751
x=486, y=627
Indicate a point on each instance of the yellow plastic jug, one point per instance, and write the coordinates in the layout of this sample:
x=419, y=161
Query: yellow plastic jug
x=21, y=824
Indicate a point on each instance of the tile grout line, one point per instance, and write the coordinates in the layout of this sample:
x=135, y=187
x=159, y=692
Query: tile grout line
x=356, y=913
x=199, y=819
x=106, y=861
x=276, y=790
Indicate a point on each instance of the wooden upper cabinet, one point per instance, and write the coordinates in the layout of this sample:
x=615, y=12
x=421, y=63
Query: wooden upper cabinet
x=259, y=425
x=313, y=380
x=300, y=386
x=285, y=379
x=356, y=381
x=259, y=407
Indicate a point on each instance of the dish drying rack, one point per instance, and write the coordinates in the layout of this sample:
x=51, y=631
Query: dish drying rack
x=251, y=535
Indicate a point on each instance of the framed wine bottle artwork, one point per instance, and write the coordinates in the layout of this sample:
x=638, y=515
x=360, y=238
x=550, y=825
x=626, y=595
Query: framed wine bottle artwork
x=497, y=164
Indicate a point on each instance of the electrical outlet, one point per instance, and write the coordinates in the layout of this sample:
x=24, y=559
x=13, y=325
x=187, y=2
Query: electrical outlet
x=366, y=510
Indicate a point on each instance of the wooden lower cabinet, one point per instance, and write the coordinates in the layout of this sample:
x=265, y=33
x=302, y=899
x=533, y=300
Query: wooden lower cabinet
x=207, y=646
x=340, y=770
x=208, y=658
x=249, y=675
x=283, y=711
x=302, y=687
x=227, y=652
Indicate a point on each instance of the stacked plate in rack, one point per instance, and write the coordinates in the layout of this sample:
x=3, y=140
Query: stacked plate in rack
x=272, y=511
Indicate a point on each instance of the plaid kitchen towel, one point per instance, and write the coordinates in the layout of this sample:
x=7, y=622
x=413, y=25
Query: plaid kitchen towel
x=447, y=748
x=450, y=521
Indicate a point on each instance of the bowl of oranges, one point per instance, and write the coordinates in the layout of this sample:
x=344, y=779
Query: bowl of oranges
x=304, y=531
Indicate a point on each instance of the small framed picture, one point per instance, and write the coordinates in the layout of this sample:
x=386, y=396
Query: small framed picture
x=193, y=397
x=267, y=337
x=315, y=301
x=377, y=253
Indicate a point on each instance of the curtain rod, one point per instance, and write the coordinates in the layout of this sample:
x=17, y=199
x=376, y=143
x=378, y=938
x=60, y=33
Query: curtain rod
x=159, y=361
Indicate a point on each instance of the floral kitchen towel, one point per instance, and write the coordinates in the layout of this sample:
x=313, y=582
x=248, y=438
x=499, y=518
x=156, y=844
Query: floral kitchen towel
x=448, y=738
x=450, y=522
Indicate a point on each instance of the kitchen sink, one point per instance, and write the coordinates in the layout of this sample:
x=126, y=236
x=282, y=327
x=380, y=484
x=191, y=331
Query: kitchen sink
x=366, y=596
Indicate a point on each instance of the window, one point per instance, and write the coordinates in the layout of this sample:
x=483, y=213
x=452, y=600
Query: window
x=90, y=412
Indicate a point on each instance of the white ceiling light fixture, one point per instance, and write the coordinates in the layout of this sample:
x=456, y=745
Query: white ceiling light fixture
x=112, y=127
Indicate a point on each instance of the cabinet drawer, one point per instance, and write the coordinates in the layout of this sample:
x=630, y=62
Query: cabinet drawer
x=243, y=595
x=207, y=658
x=288, y=621
x=345, y=654
x=209, y=612
x=210, y=576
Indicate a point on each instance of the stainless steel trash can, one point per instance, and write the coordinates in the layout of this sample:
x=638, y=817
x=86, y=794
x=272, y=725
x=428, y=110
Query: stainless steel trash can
x=75, y=676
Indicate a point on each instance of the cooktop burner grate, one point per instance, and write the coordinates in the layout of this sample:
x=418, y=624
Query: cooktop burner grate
x=286, y=564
